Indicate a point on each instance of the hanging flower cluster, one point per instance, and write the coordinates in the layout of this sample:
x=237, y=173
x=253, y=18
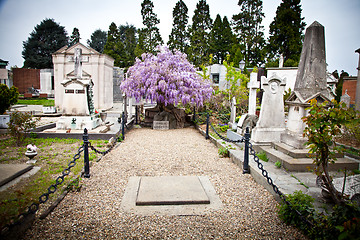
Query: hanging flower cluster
x=166, y=78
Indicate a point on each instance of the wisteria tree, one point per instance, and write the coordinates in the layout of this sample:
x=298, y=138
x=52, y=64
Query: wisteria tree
x=166, y=78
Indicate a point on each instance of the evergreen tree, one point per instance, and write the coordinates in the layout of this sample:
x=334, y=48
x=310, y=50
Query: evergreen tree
x=47, y=38
x=339, y=85
x=247, y=26
x=75, y=37
x=286, y=31
x=199, y=34
x=114, y=47
x=179, y=37
x=98, y=40
x=127, y=35
x=152, y=37
x=221, y=39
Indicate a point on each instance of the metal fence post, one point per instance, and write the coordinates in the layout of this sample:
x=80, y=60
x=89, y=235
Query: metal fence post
x=194, y=115
x=123, y=126
x=207, y=126
x=86, y=154
x=246, y=168
x=136, y=114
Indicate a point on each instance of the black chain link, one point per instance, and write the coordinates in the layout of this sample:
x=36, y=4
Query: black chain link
x=109, y=149
x=227, y=139
x=34, y=207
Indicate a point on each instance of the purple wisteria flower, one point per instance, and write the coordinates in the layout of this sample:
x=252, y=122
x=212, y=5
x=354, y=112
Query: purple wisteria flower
x=166, y=78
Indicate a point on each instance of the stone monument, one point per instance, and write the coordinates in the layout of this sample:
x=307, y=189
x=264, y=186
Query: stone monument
x=253, y=85
x=310, y=84
x=232, y=122
x=271, y=122
x=345, y=98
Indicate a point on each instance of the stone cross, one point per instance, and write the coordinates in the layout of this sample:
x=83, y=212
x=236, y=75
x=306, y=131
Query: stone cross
x=252, y=85
x=77, y=60
x=233, y=110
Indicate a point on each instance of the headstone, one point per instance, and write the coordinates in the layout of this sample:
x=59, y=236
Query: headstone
x=345, y=98
x=253, y=85
x=118, y=77
x=233, y=112
x=271, y=122
x=310, y=84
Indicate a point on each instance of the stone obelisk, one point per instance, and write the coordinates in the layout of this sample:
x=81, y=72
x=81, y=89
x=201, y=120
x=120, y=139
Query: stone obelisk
x=310, y=84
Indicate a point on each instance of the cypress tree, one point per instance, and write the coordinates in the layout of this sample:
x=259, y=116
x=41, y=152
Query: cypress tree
x=75, y=37
x=286, y=31
x=247, y=26
x=152, y=37
x=179, y=37
x=199, y=34
x=114, y=47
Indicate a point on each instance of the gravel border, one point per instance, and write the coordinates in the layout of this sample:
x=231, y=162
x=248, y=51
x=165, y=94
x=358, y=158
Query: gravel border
x=249, y=211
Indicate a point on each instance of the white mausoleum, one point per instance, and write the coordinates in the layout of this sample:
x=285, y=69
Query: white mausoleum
x=94, y=65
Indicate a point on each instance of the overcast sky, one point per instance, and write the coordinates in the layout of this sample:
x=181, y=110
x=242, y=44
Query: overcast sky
x=18, y=18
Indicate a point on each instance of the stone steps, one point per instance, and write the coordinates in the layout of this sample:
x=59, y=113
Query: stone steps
x=302, y=164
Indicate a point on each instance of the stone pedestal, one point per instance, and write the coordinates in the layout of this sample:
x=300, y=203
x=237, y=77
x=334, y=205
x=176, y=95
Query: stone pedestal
x=272, y=117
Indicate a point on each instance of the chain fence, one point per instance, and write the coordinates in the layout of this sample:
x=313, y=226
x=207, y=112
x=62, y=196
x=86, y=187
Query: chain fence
x=249, y=150
x=34, y=207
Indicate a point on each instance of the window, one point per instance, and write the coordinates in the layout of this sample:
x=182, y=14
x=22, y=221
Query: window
x=215, y=78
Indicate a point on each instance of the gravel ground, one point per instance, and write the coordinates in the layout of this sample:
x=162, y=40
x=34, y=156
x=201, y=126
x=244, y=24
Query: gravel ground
x=249, y=211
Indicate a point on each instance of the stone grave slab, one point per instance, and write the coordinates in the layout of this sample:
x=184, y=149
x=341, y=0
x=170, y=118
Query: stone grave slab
x=9, y=172
x=171, y=190
x=197, y=199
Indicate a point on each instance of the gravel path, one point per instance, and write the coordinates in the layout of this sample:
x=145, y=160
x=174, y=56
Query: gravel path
x=249, y=211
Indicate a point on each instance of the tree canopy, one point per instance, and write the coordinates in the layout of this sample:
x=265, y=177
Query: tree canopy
x=250, y=33
x=199, y=34
x=167, y=78
x=47, y=38
x=98, y=40
x=75, y=37
x=150, y=34
x=179, y=37
x=286, y=31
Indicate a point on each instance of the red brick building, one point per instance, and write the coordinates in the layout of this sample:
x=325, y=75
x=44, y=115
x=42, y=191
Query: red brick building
x=350, y=85
x=24, y=79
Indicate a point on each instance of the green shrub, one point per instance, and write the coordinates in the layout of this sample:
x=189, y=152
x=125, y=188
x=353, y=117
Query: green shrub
x=223, y=152
x=262, y=156
x=19, y=124
x=8, y=97
x=342, y=223
x=278, y=164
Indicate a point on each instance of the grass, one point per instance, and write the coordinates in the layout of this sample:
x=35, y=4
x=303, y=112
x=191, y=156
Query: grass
x=16, y=199
x=36, y=101
x=301, y=183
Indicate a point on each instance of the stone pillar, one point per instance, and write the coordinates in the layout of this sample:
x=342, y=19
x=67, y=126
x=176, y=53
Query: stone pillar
x=357, y=97
x=271, y=122
x=281, y=61
x=253, y=85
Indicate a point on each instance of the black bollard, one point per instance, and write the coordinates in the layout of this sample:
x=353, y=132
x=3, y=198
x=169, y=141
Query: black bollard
x=207, y=126
x=123, y=126
x=86, y=154
x=246, y=168
x=136, y=114
x=194, y=116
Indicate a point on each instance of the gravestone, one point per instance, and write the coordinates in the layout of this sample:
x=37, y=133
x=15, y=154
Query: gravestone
x=345, y=98
x=233, y=113
x=253, y=85
x=310, y=84
x=271, y=122
x=118, y=77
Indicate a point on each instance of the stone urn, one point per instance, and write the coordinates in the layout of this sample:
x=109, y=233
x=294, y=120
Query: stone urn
x=31, y=151
x=103, y=116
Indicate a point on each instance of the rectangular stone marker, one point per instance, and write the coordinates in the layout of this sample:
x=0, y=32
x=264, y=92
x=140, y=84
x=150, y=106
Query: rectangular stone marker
x=161, y=125
x=171, y=190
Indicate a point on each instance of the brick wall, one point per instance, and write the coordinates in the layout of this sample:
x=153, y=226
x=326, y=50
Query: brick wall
x=350, y=85
x=26, y=78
